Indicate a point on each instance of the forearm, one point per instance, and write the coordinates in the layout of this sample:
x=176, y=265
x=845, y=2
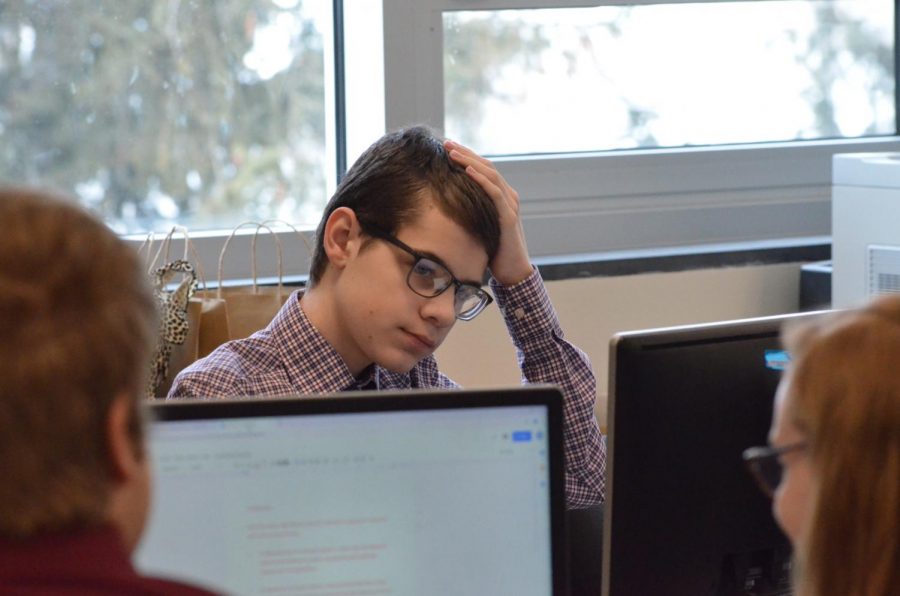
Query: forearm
x=546, y=357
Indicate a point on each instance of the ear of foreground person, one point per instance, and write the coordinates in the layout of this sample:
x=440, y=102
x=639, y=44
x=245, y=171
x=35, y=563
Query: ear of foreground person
x=77, y=324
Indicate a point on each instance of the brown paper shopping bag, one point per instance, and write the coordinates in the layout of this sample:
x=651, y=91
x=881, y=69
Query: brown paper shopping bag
x=213, y=330
x=238, y=312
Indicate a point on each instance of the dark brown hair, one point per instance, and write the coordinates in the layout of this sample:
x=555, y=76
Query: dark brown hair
x=77, y=321
x=387, y=184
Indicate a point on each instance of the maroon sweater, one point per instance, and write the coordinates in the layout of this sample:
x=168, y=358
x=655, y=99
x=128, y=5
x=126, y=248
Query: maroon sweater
x=85, y=563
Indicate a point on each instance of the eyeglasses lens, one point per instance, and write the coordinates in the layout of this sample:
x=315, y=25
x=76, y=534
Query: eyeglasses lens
x=428, y=279
x=469, y=302
x=767, y=470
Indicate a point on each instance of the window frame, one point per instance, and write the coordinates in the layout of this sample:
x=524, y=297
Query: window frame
x=632, y=199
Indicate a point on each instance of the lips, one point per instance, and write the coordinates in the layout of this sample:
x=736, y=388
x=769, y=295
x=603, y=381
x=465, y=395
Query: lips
x=423, y=340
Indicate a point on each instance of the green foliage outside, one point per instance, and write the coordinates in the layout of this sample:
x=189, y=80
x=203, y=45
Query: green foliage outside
x=147, y=109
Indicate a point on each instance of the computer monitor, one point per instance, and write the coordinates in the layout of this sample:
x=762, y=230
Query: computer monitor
x=683, y=517
x=402, y=493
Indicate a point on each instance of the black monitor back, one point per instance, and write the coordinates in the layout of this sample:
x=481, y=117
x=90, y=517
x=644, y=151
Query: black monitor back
x=683, y=517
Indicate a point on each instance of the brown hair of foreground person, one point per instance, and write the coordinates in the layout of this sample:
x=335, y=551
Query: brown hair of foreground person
x=77, y=321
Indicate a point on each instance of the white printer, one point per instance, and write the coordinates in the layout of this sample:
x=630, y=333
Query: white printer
x=865, y=226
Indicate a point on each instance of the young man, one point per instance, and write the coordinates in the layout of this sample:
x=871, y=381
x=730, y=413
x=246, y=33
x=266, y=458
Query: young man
x=400, y=254
x=77, y=323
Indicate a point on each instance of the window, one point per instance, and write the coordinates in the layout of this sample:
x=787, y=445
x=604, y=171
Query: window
x=668, y=75
x=201, y=113
x=624, y=124
x=631, y=125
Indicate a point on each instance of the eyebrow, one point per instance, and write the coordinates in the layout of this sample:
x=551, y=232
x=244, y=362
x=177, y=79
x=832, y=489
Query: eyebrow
x=439, y=261
x=374, y=231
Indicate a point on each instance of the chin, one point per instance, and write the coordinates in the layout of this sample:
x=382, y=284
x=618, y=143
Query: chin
x=399, y=364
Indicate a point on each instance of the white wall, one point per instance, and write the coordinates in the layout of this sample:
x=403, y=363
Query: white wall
x=479, y=353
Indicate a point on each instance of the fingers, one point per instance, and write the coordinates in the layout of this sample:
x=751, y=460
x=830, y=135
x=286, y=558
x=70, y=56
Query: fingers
x=468, y=158
x=490, y=187
x=511, y=263
x=481, y=170
x=466, y=152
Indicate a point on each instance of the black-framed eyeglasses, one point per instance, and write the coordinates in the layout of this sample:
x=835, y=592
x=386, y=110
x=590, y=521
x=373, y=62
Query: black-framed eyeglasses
x=765, y=465
x=429, y=278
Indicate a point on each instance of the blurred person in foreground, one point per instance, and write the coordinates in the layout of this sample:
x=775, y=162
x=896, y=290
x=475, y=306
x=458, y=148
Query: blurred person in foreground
x=77, y=326
x=833, y=465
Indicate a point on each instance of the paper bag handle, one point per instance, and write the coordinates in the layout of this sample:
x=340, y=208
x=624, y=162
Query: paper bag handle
x=282, y=222
x=165, y=245
x=252, y=254
x=147, y=245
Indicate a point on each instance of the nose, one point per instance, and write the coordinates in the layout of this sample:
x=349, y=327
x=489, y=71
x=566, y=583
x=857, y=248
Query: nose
x=440, y=310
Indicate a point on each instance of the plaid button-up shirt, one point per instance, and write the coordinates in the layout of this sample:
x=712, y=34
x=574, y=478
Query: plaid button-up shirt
x=290, y=356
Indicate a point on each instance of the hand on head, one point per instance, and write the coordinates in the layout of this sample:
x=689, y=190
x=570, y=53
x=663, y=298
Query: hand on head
x=511, y=264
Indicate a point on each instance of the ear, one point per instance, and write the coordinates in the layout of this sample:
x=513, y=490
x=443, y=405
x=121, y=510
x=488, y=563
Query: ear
x=129, y=497
x=342, y=238
x=124, y=458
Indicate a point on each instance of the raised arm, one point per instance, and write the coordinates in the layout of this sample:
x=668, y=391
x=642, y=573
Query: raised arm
x=543, y=353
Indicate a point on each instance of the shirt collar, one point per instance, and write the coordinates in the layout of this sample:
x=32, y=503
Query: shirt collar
x=312, y=364
x=367, y=379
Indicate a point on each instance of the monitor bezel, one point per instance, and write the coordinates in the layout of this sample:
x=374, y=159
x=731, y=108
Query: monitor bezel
x=548, y=396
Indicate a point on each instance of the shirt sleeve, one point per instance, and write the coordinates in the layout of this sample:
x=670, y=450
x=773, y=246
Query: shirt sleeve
x=218, y=375
x=546, y=357
x=203, y=384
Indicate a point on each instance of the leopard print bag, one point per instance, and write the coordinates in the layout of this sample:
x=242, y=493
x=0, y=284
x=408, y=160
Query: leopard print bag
x=174, y=324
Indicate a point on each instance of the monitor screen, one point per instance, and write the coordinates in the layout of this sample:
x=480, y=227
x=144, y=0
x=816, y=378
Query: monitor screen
x=388, y=493
x=683, y=516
